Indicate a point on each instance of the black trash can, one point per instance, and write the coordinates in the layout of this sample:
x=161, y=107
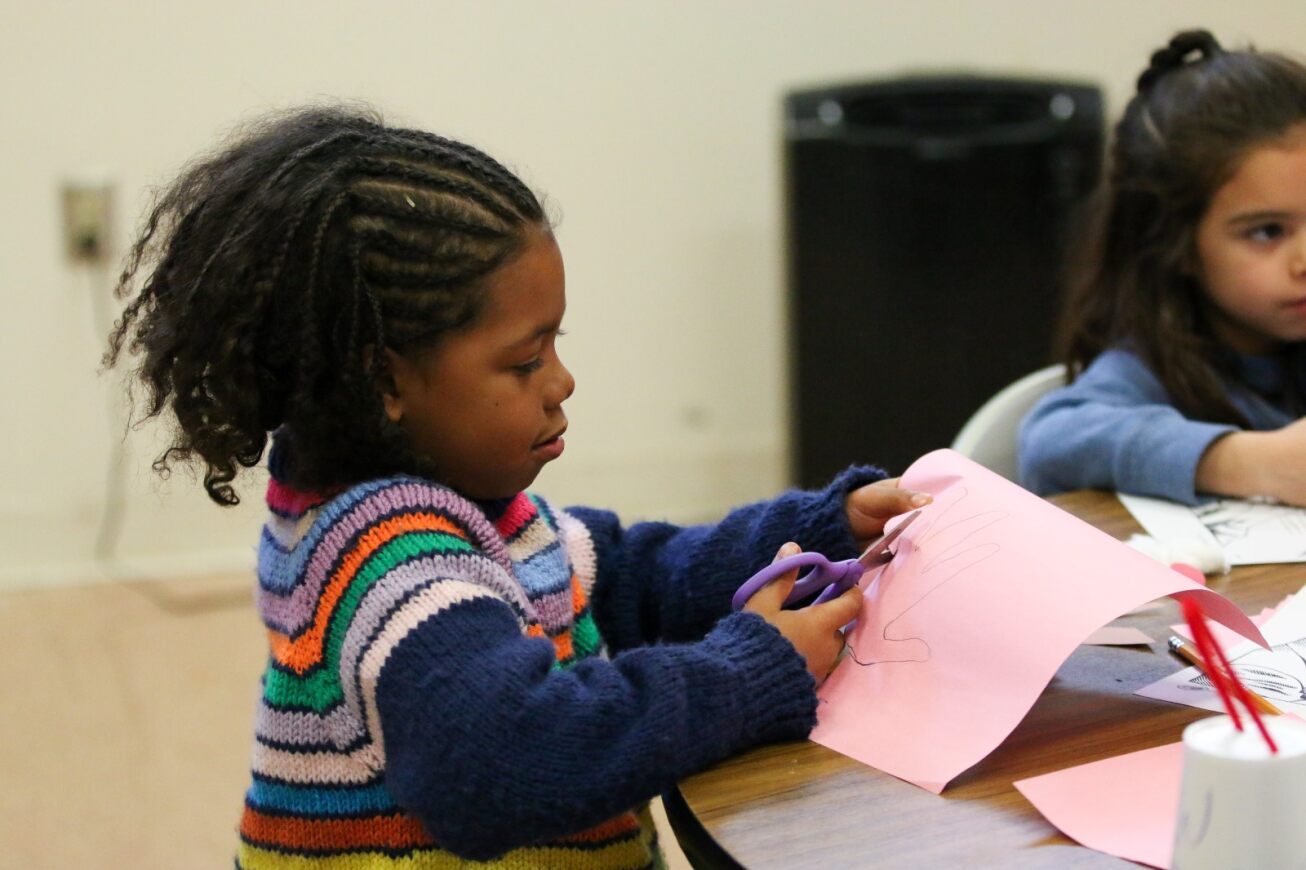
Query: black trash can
x=926, y=223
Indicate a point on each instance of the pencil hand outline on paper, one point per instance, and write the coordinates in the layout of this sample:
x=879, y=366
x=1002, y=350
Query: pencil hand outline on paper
x=944, y=547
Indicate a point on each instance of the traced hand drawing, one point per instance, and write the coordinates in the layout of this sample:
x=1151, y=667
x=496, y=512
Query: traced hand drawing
x=947, y=542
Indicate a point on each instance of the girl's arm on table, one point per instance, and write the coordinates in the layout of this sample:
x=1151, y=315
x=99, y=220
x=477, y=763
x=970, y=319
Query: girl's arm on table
x=1246, y=464
x=1114, y=428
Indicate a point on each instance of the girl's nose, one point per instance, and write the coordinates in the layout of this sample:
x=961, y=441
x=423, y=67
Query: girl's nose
x=561, y=387
x=1297, y=264
x=1297, y=256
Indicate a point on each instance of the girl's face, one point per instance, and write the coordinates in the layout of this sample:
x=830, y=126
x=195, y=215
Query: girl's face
x=485, y=405
x=1251, y=249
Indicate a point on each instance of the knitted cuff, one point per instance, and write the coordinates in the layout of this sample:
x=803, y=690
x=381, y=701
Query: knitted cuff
x=779, y=699
x=825, y=528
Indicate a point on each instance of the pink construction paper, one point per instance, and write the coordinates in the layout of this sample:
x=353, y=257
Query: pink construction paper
x=1125, y=806
x=1224, y=637
x=991, y=590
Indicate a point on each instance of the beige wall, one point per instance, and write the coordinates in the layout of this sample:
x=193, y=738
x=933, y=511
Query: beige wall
x=652, y=127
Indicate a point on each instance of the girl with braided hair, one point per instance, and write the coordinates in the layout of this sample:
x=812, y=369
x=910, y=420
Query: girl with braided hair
x=457, y=668
x=1184, y=333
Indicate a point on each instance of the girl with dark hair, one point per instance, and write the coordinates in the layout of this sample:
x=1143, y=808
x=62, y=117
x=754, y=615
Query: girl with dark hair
x=457, y=669
x=1185, y=326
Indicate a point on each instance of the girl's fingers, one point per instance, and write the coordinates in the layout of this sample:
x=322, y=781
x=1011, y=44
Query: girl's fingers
x=838, y=612
x=868, y=507
x=771, y=597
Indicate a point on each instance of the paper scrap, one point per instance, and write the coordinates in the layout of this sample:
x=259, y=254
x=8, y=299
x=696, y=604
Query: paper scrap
x=1118, y=635
x=1125, y=806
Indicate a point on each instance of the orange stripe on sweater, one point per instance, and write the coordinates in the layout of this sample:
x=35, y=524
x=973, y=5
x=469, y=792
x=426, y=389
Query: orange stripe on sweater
x=393, y=831
x=305, y=651
x=578, y=599
x=562, y=646
x=609, y=830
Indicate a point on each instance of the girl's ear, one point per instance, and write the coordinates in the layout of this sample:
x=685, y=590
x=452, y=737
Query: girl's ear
x=388, y=379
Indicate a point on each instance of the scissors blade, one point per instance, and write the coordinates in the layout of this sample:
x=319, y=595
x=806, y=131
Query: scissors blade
x=878, y=552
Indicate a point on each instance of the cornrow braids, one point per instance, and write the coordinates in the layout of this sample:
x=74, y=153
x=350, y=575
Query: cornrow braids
x=269, y=275
x=1198, y=111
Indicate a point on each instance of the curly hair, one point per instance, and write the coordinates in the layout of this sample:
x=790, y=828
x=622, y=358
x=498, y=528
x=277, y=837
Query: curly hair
x=277, y=267
x=1197, y=112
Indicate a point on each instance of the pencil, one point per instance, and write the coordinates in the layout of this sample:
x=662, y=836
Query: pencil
x=1188, y=653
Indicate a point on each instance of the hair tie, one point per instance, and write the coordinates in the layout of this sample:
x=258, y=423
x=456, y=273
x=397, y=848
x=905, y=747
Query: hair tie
x=1176, y=54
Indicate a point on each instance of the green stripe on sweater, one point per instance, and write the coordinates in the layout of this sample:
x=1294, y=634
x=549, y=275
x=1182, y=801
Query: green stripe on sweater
x=319, y=689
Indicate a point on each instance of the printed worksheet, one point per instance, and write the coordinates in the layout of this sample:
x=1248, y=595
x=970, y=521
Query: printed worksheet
x=1248, y=532
x=1277, y=674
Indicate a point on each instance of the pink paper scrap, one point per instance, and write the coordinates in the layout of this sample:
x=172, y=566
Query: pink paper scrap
x=1125, y=806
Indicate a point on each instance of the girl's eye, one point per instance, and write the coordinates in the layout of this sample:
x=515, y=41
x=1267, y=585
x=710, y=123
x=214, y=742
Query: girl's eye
x=1265, y=232
x=537, y=363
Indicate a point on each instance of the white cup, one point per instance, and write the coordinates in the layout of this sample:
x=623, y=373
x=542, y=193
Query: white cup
x=1241, y=806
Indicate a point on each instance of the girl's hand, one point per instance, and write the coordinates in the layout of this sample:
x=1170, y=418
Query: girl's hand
x=1245, y=464
x=870, y=506
x=814, y=630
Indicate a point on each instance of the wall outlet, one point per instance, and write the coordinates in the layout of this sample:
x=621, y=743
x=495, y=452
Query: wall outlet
x=87, y=211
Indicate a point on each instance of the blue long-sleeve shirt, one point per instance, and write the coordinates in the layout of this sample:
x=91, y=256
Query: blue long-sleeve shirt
x=1116, y=427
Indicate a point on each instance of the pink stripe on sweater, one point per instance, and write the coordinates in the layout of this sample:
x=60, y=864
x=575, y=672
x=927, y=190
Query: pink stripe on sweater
x=293, y=502
x=521, y=510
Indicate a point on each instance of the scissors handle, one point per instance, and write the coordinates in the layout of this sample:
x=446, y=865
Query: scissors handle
x=833, y=577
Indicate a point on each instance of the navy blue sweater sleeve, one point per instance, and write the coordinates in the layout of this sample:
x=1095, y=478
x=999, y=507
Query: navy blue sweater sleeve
x=493, y=748
x=660, y=581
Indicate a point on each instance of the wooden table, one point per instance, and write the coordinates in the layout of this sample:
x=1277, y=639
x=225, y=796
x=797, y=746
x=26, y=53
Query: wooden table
x=800, y=804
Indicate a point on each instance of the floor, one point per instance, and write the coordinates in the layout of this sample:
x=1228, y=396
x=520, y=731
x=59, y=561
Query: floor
x=125, y=735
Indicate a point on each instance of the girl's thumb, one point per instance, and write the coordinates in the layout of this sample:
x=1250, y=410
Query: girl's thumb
x=788, y=548
x=842, y=610
x=771, y=597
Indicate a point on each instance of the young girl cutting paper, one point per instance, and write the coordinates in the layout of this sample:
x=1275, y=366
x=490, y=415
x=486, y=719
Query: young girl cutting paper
x=457, y=668
x=1185, y=332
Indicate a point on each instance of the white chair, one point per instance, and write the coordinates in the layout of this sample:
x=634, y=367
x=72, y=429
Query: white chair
x=989, y=436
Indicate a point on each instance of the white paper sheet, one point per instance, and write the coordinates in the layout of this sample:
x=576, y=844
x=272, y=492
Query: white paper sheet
x=1277, y=674
x=1247, y=532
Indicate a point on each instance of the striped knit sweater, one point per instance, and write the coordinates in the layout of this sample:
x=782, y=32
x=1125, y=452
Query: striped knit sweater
x=507, y=683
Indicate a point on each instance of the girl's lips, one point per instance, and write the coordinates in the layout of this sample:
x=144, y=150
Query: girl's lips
x=550, y=449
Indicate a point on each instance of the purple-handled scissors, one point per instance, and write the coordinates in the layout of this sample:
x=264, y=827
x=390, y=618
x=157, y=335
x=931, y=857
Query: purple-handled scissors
x=833, y=578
